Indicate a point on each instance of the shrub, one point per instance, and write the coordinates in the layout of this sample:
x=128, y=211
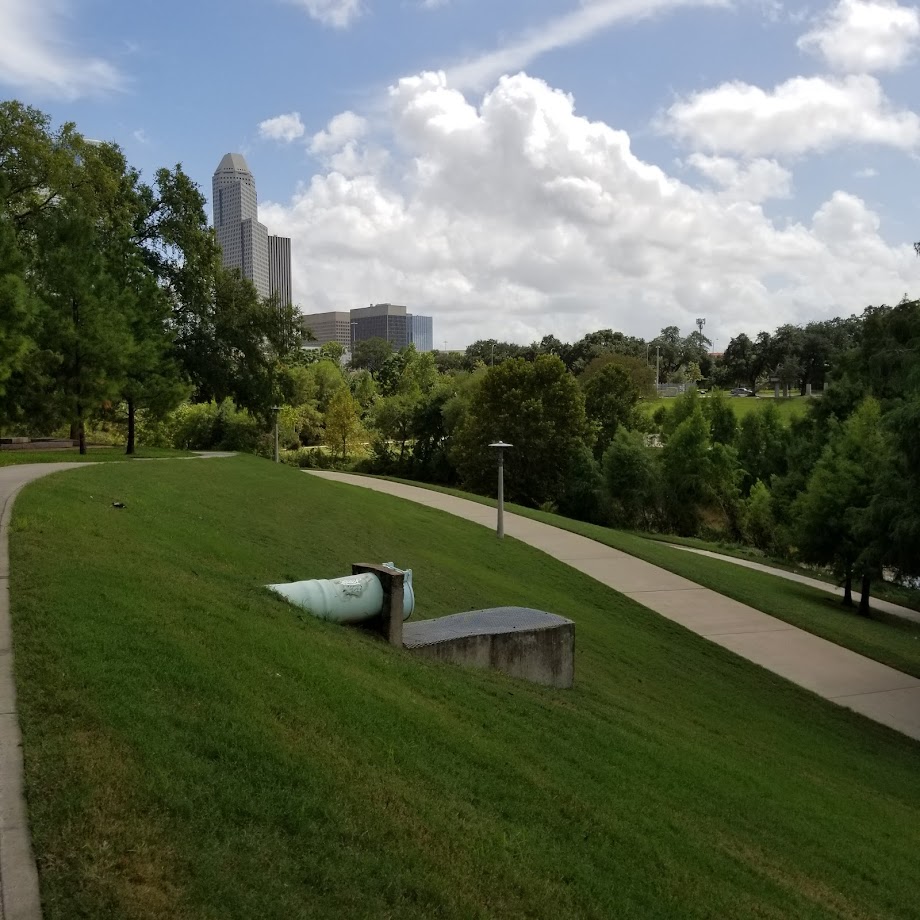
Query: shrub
x=757, y=521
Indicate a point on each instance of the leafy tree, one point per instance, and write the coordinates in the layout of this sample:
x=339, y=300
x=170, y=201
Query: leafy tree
x=603, y=342
x=631, y=480
x=490, y=352
x=407, y=371
x=762, y=446
x=610, y=401
x=895, y=507
x=430, y=454
x=641, y=374
x=370, y=354
x=698, y=476
x=17, y=307
x=539, y=408
x=363, y=389
x=328, y=379
x=741, y=362
x=81, y=245
x=831, y=515
x=669, y=346
x=152, y=378
x=581, y=496
x=757, y=521
x=394, y=418
x=723, y=425
x=681, y=409
x=343, y=422
x=886, y=360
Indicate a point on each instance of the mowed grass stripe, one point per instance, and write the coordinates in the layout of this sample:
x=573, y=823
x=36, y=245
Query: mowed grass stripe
x=883, y=637
x=195, y=748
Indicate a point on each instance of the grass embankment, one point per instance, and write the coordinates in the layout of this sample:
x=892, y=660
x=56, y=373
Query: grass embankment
x=888, y=639
x=194, y=748
x=884, y=590
x=93, y=455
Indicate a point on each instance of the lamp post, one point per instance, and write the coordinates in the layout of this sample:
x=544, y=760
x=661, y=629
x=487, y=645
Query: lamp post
x=500, y=446
x=353, y=335
x=276, y=410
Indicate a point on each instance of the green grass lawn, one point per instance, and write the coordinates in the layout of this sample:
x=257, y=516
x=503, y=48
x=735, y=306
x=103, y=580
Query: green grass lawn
x=793, y=407
x=93, y=455
x=897, y=594
x=889, y=639
x=196, y=748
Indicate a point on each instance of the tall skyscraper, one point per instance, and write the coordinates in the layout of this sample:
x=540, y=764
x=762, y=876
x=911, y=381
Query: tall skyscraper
x=279, y=270
x=243, y=240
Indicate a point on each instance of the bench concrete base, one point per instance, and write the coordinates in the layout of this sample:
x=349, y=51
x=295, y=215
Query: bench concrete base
x=519, y=641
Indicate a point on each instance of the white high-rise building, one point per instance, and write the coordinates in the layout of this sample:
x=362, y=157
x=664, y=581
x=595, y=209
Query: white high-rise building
x=243, y=240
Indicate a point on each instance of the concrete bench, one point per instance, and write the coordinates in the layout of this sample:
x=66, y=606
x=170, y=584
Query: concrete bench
x=519, y=641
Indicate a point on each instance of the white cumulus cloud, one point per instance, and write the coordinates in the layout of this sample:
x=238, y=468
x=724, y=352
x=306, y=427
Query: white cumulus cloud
x=285, y=128
x=345, y=127
x=859, y=36
x=803, y=114
x=752, y=181
x=34, y=54
x=513, y=216
x=590, y=17
x=337, y=13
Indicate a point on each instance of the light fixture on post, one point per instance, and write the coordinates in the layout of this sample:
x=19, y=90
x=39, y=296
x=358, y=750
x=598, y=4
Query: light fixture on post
x=276, y=410
x=501, y=446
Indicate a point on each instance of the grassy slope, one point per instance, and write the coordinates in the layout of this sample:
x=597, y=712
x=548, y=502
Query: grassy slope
x=897, y=594
x=195, y=749
x=889, y=639
x=93, y=455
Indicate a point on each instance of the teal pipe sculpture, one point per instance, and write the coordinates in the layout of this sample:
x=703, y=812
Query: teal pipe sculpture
x=350, y=599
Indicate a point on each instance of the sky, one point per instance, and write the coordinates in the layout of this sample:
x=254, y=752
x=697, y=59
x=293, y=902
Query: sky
x=518, y=168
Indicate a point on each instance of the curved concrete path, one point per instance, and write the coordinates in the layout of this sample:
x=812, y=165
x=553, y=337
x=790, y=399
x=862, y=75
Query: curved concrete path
x=844, y=677
x=877, y=604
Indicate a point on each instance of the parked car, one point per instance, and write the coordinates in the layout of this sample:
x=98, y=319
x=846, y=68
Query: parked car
x=742, y=391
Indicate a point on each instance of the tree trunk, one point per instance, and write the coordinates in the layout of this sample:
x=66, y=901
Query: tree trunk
x=82, y=430
x=848, y=589
x=130, y=448
x=864, y=597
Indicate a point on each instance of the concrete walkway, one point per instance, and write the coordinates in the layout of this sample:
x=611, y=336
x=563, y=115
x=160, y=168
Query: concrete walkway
x=877, y=604
x=836, y=673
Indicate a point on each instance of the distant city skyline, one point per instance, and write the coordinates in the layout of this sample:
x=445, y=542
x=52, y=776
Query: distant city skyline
x=245, y=243
x=524, y=169
x=392, y=322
